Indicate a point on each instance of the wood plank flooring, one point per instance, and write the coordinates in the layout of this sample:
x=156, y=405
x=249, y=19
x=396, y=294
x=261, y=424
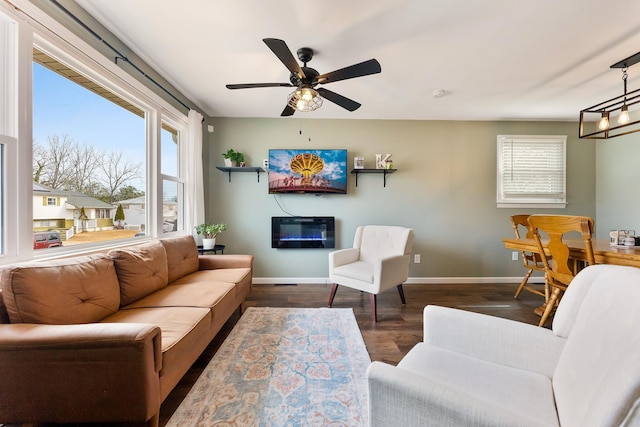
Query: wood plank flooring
x=398, y=328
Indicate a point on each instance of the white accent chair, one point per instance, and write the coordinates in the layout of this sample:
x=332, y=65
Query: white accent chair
x=379, y=260
x=478, y=370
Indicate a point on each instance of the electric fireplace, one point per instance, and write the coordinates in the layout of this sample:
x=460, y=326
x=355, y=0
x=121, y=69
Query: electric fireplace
x=290, y=232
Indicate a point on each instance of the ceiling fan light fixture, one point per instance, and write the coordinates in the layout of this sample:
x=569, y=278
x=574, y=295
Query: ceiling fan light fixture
x=304, y=99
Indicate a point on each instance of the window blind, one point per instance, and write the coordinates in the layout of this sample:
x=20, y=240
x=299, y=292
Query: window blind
x=531, y=170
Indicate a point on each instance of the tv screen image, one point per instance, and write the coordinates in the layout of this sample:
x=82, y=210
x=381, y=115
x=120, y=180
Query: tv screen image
x=307, y=171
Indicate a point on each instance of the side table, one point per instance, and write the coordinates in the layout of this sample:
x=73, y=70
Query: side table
x=215, y=250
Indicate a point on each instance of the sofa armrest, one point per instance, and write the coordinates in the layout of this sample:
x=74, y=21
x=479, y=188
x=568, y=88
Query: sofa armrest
x=97, y=372
x=213, y=262
x=398, y=397
x=507, y=342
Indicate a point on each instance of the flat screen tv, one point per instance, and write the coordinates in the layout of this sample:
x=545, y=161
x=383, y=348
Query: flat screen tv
x=307, y=171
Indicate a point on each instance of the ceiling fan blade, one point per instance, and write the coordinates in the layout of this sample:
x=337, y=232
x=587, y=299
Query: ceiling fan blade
x=252, y=85
x=358, y=70
x=282, y=51
x=288, y=111
x=336, y=98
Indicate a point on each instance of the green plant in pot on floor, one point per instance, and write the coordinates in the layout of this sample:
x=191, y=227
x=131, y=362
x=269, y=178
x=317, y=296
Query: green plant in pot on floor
x=209, y=232
x=232, y=158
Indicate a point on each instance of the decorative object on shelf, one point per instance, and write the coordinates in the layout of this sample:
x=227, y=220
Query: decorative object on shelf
x=232, y=157
x=389, y=164
x=616, y=117
x=209, y=232
x=358, y=162
x=381, y=160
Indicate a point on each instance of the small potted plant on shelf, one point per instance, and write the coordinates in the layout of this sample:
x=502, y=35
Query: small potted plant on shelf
x=209, y=232
x=232, y=158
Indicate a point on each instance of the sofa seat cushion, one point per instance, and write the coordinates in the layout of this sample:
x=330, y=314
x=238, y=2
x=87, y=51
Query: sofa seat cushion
x=182, y=256
x=141, y=269
x=359, y=270
x=527, y=394
x=75, y=290
x=229, y=275
x=175, y=323
x=206, y=295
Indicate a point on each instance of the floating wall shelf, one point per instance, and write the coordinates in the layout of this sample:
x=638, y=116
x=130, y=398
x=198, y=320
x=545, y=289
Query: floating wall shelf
x=384, y=172
x=257, y=170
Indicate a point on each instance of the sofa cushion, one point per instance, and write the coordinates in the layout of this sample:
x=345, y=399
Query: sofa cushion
x=68, y=291
x=525, y=394
x=229, y=275
x=182, y=256
x=206, y=295
x=359, y=270
x=141, y=270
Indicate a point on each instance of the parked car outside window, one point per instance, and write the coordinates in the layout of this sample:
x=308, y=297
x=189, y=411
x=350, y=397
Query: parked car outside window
x=46, y=239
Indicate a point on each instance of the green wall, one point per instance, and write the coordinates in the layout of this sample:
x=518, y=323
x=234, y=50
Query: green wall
x=444, y=188
x=618, y=176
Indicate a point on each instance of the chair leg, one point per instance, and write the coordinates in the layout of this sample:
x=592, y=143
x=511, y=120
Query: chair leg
x=333, y=293
x=374, y=307
x=401, y=292
x=550, y=305
x=523, y=283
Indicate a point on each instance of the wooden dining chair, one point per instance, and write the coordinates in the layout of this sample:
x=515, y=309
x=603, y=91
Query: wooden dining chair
x=532, y=261
x=560, y=269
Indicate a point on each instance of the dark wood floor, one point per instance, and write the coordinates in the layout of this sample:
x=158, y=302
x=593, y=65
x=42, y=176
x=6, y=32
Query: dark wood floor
x=398, y=328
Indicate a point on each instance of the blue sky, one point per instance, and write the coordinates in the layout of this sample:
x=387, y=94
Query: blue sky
x=61, y=107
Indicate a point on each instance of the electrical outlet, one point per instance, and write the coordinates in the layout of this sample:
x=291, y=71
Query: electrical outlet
x=514, y=256
x=416, y=259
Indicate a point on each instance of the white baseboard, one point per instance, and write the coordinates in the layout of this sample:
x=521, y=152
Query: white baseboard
x=410, y=281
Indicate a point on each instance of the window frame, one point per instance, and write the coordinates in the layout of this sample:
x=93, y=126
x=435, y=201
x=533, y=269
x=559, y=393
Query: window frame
x=36, y=28
x=527, y=199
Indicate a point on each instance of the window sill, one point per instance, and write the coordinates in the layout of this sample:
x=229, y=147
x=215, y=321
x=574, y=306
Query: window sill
x=533, y=205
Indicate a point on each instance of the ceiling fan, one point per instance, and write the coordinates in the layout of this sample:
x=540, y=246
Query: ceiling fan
x=306, y=97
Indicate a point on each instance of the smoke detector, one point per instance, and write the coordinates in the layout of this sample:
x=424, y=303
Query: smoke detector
x=439, y=93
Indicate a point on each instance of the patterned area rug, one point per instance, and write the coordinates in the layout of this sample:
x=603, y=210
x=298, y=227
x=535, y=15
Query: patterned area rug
x=283, y=367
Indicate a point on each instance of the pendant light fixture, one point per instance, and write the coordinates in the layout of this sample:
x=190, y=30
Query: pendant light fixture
x=617, y=116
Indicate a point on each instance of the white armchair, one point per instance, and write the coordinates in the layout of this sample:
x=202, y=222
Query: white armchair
x=477, y=370
x=379, y=260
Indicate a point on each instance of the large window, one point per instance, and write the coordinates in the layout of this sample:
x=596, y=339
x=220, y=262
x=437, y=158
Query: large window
x=89, y=147
x=96, y=152
x=531, y=171
x=8, y=127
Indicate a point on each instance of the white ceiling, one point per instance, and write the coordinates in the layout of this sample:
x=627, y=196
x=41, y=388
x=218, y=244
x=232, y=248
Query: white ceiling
x=496, y=59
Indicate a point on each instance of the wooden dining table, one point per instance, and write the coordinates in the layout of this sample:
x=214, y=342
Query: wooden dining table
x=603, y=251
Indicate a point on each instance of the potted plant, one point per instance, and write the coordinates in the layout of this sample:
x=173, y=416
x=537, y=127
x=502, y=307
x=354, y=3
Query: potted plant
x=232, y=158
x=209, y=232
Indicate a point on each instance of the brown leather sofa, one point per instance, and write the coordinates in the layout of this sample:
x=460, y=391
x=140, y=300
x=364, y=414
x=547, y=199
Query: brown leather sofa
x=105, y=338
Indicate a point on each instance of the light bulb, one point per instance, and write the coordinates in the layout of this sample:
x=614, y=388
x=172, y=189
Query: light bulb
x=624, y=115
x=604, y=122
x=307, y=95
x=301, y=104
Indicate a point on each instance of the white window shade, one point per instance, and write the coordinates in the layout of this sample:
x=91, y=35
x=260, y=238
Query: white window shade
x=531, y=171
